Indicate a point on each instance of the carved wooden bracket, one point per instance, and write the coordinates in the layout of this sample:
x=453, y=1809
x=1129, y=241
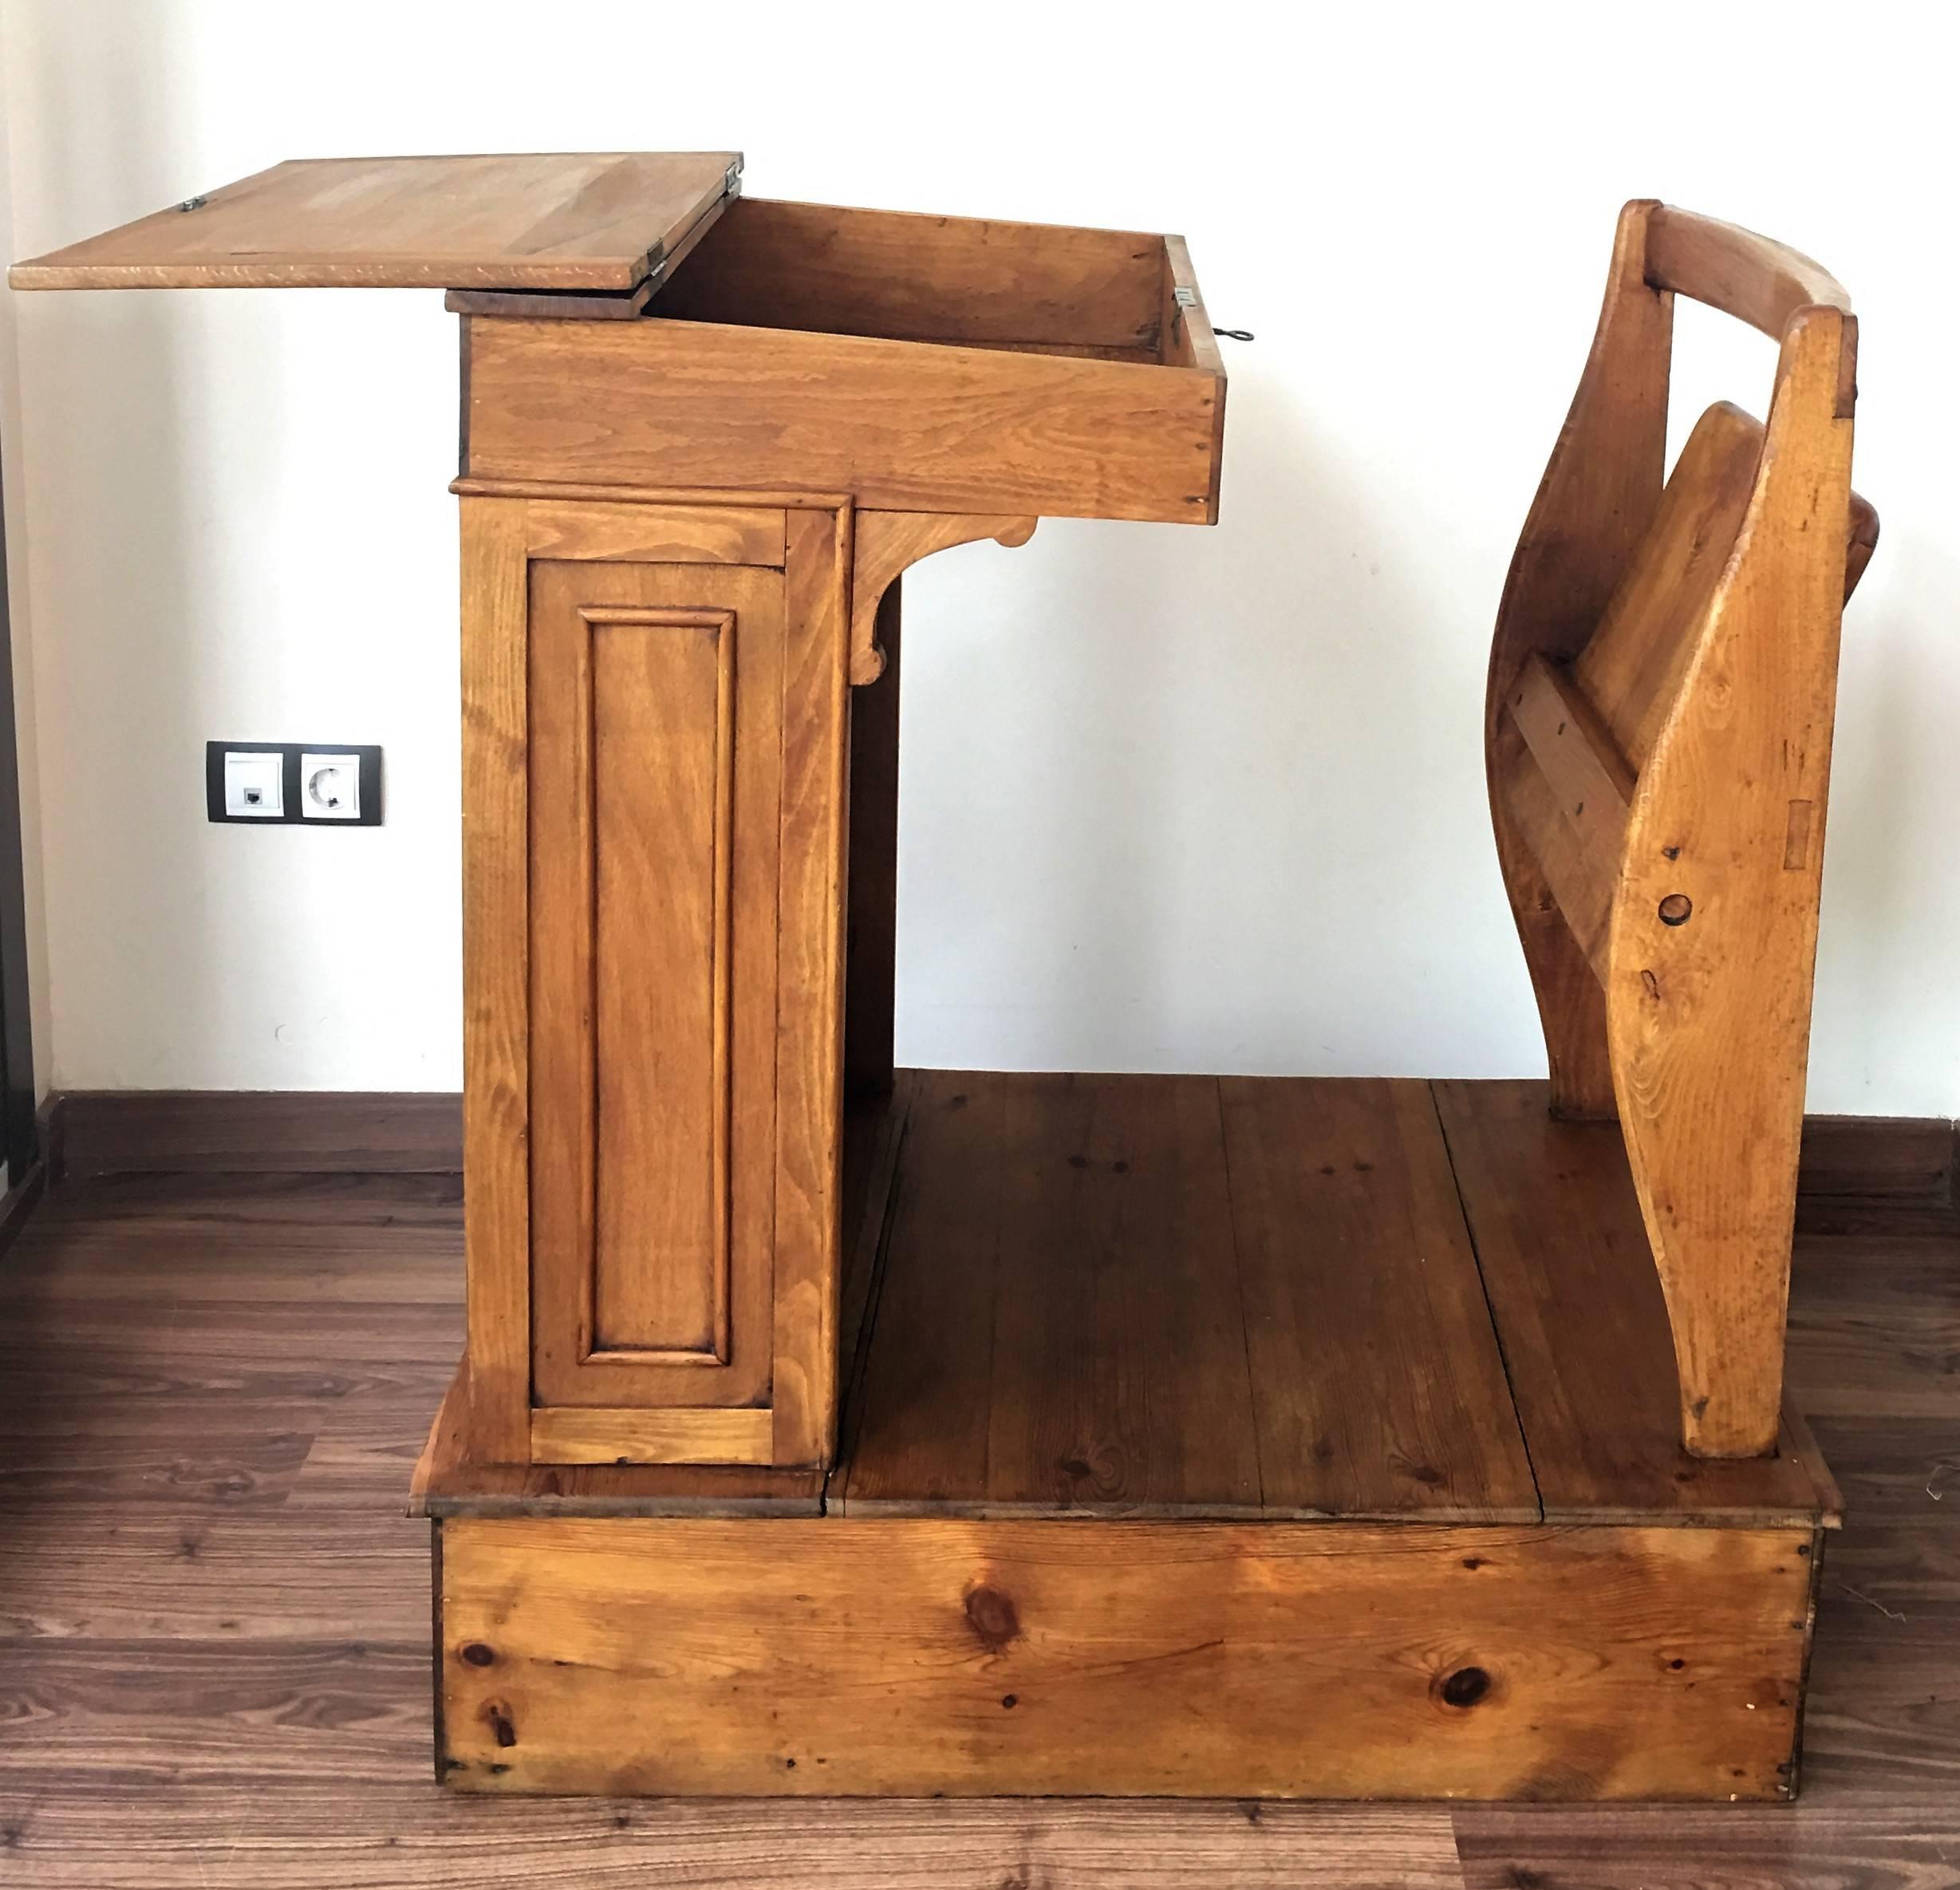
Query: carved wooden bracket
x=887, y=543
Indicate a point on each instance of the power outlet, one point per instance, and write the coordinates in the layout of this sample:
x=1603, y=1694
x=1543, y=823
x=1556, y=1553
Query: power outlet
x=292, y=784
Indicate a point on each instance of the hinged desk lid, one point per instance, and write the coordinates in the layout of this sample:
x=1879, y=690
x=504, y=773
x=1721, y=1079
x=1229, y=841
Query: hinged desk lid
x=578, y=220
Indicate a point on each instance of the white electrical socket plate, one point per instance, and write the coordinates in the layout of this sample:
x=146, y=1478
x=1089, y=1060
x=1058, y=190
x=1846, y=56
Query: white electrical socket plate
x=255, y=785
x=329, y=787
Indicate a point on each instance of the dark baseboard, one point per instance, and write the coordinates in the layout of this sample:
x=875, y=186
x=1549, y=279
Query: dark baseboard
x=101, y=1132
x=1855, y=1167
x=1889, y=1172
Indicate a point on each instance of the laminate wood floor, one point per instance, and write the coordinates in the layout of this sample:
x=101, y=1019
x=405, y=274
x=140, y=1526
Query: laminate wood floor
x=213, y=1615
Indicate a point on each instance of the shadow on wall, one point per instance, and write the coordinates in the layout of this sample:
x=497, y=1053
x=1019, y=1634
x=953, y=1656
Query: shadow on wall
x=1187, y=710
x=111, y=493
x=1879, y=899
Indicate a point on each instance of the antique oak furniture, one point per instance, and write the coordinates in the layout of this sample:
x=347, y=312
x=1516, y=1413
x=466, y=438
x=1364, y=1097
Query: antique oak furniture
x=826, y=1427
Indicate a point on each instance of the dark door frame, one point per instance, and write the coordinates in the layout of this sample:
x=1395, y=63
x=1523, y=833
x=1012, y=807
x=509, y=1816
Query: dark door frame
x=18, y=1135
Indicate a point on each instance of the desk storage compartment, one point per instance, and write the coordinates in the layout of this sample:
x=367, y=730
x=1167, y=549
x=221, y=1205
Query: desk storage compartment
x=915, y=363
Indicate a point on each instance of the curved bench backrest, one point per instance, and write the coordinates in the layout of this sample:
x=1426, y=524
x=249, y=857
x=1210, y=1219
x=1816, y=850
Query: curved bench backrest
x=1658, y=738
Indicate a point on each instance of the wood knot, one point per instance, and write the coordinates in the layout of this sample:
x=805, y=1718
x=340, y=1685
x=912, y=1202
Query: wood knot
x=1465, y=1687
x=991, y=1615
x=477, y=1654
x=1675, y=909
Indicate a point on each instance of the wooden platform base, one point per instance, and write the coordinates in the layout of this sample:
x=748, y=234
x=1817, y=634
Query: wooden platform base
x=1209, y=1436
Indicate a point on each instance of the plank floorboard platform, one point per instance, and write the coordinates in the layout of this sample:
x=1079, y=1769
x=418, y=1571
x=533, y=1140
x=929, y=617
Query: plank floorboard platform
x=1191, y=1296
x=170, y=1717
x=1176, y=1401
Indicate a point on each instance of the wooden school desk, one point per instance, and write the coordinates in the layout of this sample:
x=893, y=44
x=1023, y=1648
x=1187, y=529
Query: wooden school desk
x=829, y=1427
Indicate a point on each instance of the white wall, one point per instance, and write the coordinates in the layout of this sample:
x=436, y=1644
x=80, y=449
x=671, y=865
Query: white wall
x=1174, y=799
x=19, y=605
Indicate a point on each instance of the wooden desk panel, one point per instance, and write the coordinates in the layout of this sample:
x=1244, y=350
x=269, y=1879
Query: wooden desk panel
x=571, y=220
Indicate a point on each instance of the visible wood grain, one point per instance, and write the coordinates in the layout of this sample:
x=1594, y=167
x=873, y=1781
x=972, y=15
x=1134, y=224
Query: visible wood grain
x=175, y=1267
x=1577, y=884
x=1121, y=1376
x=1823, y=1847
x=312, y=1836
x=1090, y=1355
x=1702, y=646
x=574, y=305
x=930, y=1655
x=238, y=1470
x=810, y=991
x=1352, y=1248
x=121, y=1723
x=648, y=535
x=583, y=220
x=1571, y=818
x=446, y=1483
x=1121, y=1295
x=496, y=977
x=1874, y=1334
x=887, y=545
x=924, y=1395
x=1900, y=1469
x=555, y=305
x=661, y=769
x=654, y=1077
x=1755, y=279
x=576, y=492
x=1633, y=665
x=1574, y=751
x=1708, y=1019
x=871, y=891
x=1189, y=341
x=901, y=427
x=922, y=278
x=1598, y=494
x=1859, y=1174
x=73, y=1570
x=584, y=1434
x=1888, y=1661
x=1564, y=1260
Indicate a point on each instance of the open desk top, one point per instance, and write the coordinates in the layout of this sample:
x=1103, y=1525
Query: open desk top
x=633, y=321
x=601, y=221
